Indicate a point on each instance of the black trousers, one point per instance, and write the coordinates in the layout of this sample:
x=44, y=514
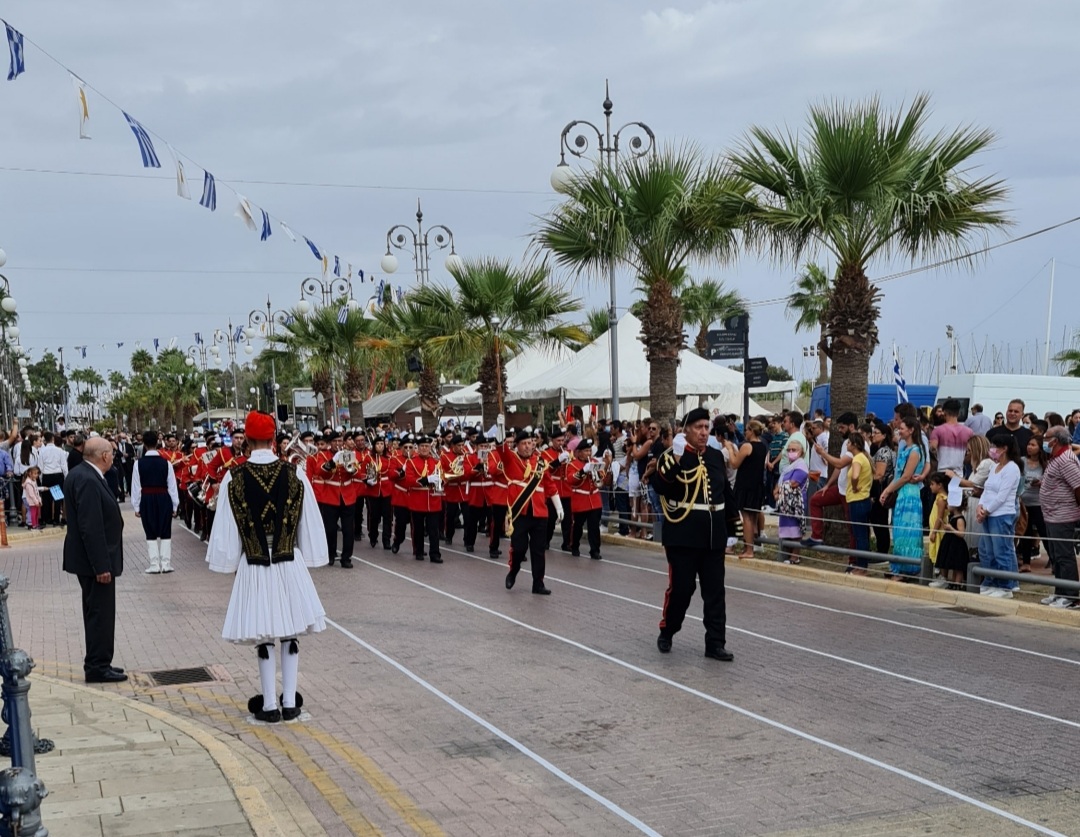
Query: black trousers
x=330, y=517
x=591, y=519
x=451, y=519
x=530, y=537
x=358, y=518
x=425, y=525
x=565, y=527
x=99, y=623
x=402, y=516
x=496, y=530
x=50, y=508
x=380, y=514
x=475, y=518
x=685, y=566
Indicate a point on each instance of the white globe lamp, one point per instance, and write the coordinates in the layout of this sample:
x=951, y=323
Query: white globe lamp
x=389, y=263
x=562, y=178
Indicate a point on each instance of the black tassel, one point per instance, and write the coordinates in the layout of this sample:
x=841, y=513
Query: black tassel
x=264, y=650
x=294, y=645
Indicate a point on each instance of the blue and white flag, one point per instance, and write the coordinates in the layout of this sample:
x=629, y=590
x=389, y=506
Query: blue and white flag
x=285, y=229
x=314, y=250
x=119, y=345
x=146, y=147
x=156, y=344
x=288, y=320
x=266, y=229
x=359, y=273
x=400, y=294
x=238, y=334
x=15, y=47
x=337, y=266
x=209, y=192
x=83, y=350
x=343, y=314
x=898, y=378
x=381, y=293
x=198, y=339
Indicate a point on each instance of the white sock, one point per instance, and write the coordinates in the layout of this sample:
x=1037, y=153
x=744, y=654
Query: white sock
x=154, y=551
x=290, y=667
x=268, y=679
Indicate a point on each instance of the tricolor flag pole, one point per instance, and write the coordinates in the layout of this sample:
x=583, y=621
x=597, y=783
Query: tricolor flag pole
x=898, y=379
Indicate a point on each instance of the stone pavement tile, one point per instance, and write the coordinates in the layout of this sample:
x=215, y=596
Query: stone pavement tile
x=85, y=826
x=163, y=799
x=121, y=739
x=173, y=820
x=69, y=791
x=156, y=782
x=83, y=807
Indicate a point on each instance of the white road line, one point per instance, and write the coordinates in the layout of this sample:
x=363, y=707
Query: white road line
x=894, y=622
x=494, y=730
x=839, y=748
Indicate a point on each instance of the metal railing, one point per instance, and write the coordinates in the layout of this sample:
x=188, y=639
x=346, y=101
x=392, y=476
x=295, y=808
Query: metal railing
x=976, y=570
x=926, y=566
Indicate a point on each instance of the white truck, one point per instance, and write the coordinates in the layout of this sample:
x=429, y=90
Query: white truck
x=1041, y=394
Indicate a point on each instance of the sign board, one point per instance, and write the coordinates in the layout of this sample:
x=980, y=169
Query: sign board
x=304, y=399
x=22, y=413
x=757, y=379
x=725, y=345
x=733, y=352
x=724, y=338
x=757, y=364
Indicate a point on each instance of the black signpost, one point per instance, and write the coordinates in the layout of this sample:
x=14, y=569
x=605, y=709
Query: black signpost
x=733, y=343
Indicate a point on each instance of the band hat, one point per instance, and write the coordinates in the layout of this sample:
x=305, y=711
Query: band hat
x=424, y=440
x=457, y=440
x=558, y=433
x=522, y=435
x=330, y=436
x=696, y=415
x=259, y=427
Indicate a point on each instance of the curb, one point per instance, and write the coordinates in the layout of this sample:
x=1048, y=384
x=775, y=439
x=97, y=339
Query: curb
x=18, y=536
x=241, y=766
x=1001, y=607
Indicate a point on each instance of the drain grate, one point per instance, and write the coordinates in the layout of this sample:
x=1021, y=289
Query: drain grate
x=180, y=676
x=967, y=611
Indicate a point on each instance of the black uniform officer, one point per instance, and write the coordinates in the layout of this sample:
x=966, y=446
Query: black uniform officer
x=691, y=479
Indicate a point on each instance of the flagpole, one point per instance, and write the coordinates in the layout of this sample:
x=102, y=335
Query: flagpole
x=1049, y=314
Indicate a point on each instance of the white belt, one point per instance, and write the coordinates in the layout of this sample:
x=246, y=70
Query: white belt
x=582, y=491
x=481, y=484
x=695, y=506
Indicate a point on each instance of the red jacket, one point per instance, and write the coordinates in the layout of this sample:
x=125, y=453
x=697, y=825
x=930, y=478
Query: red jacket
x=519, y=473
x=363, y=459
x=454, y=487
x=422, y=498
x=496, y=492
x=334, y=487
x=396, y=472
x=479, y=480
x=557, y=469
x=584, y=492
x=224, y=461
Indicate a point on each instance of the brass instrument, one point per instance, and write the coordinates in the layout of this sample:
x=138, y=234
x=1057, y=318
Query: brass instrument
x=348, y=461
x=372, y=472
x=457, y=467
x=296, y=450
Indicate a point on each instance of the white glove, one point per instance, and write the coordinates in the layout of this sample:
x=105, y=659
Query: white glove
x=678, y=444
x=564, y=457
x=436, y=481
x=588, y=469
x=340, y=455
x=372, y=483
x=559, y=513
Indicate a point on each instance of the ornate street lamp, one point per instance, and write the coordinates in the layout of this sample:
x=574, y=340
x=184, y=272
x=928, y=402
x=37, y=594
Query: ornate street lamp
x=398, y=237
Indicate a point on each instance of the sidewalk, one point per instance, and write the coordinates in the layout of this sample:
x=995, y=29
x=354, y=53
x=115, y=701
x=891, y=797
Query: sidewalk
x=123, y=768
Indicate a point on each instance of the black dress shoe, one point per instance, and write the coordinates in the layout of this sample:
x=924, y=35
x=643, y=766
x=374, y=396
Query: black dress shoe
x=565, y=547
x=372, y=544
x=386, y=546
x=494, y=556
x=541, y=591
x=470, y=549
x=395, y=548
x=510, y=578
x=267, y=716
x=596, y=557
x=576, y=553
x=346, y=563
x=107, y=676
x=117, y=669
x=719, y=654
x=663, y=643
x=419, y=557
x=435, y=559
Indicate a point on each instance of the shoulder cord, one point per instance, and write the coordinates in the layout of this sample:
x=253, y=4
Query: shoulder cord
x=696, y=478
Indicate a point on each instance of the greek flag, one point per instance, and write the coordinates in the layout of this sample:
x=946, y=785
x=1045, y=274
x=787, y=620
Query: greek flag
x=119, y=345
x=198, y=339
x=289, y=320
x=359, y=273
x=343, y=314
x=337, y=266
x=266, y=230
x=146, y=148
x=898, y=378
x=209, y=192
x=83, y=350
x=380, y=294
x=15, y=47
x=155, y=344
x=314, y=250
x=238, y=334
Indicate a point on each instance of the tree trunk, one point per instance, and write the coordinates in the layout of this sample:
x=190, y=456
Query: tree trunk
x=489, y=387
x=701, y=342
x=823, y=357
x=662, y=396
x=661, y=331
x=356, y=409
x=428, y=393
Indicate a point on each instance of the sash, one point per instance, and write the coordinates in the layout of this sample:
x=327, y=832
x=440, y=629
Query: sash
x=527, y=492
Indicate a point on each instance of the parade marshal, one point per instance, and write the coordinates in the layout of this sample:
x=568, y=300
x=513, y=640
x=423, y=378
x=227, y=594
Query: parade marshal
x=691, y=479
x=268, y=531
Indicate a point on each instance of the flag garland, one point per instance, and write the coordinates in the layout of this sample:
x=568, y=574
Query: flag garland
x=84, y=107
x=209, y=192
x=146, y=147
x=15, y=48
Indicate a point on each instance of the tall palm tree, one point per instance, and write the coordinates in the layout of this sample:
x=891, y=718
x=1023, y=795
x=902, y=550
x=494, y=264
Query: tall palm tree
x=808, y=302
x=527, y=307
x=860, y=184
x=704, y=303
x=596, y=325
x=1070, y=356
x=654, y=215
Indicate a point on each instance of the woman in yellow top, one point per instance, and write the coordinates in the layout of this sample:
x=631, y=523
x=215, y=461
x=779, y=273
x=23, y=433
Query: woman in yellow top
x=860, y=478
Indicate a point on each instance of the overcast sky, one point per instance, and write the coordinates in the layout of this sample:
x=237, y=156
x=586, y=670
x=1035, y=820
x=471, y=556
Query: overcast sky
x=462, y=105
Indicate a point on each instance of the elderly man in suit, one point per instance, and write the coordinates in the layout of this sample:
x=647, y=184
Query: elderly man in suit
x=93, y=551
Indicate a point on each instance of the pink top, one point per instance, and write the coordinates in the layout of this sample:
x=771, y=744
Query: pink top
x=31, y=493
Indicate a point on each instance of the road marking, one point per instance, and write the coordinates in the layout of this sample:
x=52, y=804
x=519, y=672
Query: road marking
x=494, y=730
x=806, y=736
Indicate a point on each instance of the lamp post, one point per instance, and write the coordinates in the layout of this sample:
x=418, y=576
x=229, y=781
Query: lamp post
x=496, y=322
x=232, y=339
x=270, y=319
x=642, y=141
x=199, y=353
x=313, y=286
x=421, y=246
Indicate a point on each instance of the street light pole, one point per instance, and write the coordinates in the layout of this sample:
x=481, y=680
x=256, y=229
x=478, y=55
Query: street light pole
x=231, y=339
x=421, y=246
x=257, y=319
x=642, y=141
x=313, y=286
x=500, y=420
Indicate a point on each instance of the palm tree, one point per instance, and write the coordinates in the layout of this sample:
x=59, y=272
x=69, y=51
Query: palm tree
x=864, y=184
x=808, y=303
x=526, y=306
x=704, y=303
x=1071, y=356
x=654, y=215
x=596, y=325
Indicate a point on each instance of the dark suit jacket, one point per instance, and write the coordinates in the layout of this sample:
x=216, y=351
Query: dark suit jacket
x=95, y=528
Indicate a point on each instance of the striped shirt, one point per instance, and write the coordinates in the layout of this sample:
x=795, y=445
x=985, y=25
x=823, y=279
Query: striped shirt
x=1057, y=492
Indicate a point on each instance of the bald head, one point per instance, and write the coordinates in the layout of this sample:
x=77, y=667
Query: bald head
x=96, y=449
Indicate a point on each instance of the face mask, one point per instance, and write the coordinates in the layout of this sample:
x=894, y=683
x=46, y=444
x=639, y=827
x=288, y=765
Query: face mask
x=792, y=455
x=1048, y=447
x=1027, y=424
x=995, y=454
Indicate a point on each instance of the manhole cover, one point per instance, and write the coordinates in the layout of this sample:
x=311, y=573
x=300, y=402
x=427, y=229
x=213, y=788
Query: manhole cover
x=967, y=611
x=180, y=676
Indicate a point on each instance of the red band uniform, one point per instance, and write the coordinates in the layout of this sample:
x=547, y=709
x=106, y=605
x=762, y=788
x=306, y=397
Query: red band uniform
x=529, y=485
x=423, y=480
x=585, y=500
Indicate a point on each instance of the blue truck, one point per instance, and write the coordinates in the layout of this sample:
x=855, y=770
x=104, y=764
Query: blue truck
x=880, y=398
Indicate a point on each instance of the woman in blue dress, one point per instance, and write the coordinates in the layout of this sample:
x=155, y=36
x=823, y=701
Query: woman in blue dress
x=907, y=513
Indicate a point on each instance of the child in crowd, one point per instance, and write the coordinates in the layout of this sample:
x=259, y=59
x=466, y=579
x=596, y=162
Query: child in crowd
x=952, y=554
x=791, y=499
x=939, y=512
x=32, y=497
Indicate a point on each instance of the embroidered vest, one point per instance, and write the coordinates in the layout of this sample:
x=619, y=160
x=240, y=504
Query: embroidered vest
x=266, y=500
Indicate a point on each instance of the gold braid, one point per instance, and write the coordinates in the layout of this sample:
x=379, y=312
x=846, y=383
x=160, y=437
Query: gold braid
x=699, y=479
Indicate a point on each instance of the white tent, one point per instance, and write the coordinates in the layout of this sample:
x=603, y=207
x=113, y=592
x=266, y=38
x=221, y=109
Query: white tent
x=586, y=376
x=527, y=364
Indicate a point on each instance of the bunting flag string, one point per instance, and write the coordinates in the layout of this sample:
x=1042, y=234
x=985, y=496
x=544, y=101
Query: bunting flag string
x=198, y=339
x=84, y=107
x=261, y=223
x=343, y=315
x=15, y=47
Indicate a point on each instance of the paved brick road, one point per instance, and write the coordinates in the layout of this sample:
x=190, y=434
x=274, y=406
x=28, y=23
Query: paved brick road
x=661, y=741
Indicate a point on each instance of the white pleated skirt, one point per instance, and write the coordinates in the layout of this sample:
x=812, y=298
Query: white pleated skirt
x=269, y=603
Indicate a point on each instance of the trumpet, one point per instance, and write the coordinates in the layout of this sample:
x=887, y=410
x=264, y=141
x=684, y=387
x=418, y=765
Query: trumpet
x=297, y=451
x=348, y=460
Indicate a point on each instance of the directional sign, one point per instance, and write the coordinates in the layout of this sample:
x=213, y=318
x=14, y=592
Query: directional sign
x=757, y=364
x=725, y=352
x=757, y=379
x=716, y=338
